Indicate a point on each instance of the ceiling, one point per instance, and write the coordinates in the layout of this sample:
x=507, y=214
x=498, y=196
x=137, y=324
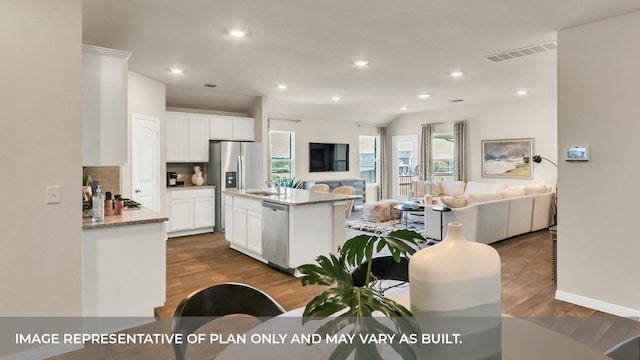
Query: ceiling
x=310, y=45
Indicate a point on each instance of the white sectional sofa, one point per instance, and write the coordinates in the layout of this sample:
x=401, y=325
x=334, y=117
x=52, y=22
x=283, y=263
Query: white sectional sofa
x=493, y=211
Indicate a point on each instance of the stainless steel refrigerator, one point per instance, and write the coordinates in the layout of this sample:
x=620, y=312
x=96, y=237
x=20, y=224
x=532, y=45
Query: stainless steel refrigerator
x=233, y=165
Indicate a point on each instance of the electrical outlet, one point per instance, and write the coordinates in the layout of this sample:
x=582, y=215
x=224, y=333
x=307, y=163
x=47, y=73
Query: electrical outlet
x=53, y=194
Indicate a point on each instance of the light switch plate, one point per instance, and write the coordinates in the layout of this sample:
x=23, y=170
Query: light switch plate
x=53, y=194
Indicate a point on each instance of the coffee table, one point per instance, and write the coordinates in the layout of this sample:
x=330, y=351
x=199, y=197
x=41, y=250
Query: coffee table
x=404, y=212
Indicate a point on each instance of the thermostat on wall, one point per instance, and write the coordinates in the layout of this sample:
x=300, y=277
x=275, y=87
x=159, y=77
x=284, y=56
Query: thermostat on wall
x=577, y=153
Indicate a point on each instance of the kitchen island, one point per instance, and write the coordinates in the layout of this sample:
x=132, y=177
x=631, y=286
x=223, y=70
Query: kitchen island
x=124, y=265
x=311, y=224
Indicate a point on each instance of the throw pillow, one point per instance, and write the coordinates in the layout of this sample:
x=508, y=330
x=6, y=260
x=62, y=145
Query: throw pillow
x=482, y=197
x=451, y=188
x=436, y=189
x=535, y=189
x=454, y=202
x=510, y=194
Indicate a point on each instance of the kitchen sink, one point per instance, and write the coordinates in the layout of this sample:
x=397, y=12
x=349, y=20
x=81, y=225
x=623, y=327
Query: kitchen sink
x=262, y=193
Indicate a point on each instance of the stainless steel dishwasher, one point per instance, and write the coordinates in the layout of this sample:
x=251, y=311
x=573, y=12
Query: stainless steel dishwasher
x=275, y=234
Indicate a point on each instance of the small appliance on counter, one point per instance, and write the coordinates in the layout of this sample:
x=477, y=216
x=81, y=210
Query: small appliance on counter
x=172, y=178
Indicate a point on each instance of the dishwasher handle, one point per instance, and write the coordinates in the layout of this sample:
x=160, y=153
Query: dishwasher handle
x=275, y=206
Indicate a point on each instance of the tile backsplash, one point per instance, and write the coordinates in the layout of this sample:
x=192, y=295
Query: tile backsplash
x=107, y=176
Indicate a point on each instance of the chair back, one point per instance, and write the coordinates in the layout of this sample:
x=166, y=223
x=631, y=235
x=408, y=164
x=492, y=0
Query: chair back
x=324, y=188
x=382, y=268
x=202, y=306
x=346, y=190
x=626, y=350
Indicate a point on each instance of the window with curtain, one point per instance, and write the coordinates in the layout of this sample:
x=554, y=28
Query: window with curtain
x=443, y=148
x=282, y=149
x=369, y=158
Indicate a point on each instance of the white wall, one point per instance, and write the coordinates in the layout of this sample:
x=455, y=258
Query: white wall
x=598, y=237
x=40, y=145
x=318, y=126
x=524, y=117
x=145, y=97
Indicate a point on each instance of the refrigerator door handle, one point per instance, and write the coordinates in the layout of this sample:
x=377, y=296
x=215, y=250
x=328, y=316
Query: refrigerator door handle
x=240, y=174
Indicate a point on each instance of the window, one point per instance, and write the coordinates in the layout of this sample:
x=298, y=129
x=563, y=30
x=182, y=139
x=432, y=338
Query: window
x=282, y=150
x=443, y=156
x=369, y=159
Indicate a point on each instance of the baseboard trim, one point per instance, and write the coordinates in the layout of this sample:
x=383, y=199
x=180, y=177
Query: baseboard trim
x=43, y=352
x=599, y=305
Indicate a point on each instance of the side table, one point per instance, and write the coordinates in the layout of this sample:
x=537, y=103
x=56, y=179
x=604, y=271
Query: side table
x=441, y=210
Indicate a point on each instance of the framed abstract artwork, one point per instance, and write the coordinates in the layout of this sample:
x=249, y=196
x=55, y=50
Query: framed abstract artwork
x=507, y=158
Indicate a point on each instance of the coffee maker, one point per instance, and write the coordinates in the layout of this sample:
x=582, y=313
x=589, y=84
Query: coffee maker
x=172, y=178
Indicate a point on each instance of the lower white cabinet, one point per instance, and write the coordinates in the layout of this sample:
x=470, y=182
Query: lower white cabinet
x=191, y=211
x=246, y=228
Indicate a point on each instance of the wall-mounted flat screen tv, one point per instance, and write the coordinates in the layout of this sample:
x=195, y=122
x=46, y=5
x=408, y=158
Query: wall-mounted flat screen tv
x=328, y=157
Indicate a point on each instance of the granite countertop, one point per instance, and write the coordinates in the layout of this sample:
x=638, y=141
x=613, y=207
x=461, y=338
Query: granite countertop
x=128, y=217
x=293, y=196
x=190, y=187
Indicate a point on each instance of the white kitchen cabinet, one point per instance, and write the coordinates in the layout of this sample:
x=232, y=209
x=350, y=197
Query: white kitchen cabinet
x=235, y=128
x=191, y=211
x=221, y=128
x=187, y=137
x=247, y=226
x=104, y=106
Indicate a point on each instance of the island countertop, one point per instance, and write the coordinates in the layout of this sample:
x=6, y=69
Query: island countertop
x=128, y=217
x=292, y=196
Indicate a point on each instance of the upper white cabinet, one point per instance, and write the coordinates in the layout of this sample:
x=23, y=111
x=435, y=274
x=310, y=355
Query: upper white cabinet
x=187, y=137
x=104, y=106
x=231, y=128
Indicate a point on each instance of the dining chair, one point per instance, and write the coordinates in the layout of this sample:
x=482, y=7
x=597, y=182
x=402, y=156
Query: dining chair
x=384, y=267
x=324, y=188
x=346, y=190
x=201, y=306
x=626, y=350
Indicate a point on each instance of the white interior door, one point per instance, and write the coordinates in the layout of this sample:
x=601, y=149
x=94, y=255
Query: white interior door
x=405, y=160
x=145, y=159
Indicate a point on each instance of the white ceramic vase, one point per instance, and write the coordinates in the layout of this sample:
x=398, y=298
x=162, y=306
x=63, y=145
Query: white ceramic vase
x=455, y=288
x=197, y=177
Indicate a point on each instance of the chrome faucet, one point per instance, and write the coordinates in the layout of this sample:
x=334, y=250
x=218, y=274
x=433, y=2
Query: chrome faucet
x=274, y=184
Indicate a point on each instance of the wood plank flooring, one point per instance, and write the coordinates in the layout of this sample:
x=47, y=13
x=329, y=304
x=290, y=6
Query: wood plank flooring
x=194, y=262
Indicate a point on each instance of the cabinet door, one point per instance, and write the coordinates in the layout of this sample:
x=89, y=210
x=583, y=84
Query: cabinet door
x=220, y=128
x=203, y=212
x=228, y=221
x=181, y=214
x=104, y=106
x=177, y=137
x=240, y=227
x=198, y=141
x=254, y=231
x=243, y=129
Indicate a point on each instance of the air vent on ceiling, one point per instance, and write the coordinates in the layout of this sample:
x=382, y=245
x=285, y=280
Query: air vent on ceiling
x=529, y=50
x=456, y=100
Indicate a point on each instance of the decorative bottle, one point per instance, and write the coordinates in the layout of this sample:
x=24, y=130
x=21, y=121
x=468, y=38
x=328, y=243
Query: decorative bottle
x=455, y=288
x=97, y=205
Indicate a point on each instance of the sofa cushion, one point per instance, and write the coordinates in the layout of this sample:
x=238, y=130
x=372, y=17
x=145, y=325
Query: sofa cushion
x=474, y=187
x=436, y=189
x=482, y=197
x=535, y=189
x=512, y=193
x=454, y=201
x=452, y=188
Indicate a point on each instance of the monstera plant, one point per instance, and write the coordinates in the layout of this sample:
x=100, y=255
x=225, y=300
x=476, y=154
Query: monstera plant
x=350, y=307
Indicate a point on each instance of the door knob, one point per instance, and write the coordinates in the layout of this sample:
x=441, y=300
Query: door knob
x=137, y=191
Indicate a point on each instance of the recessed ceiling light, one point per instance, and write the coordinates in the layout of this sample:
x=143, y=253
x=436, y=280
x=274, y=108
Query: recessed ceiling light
x=457, y=73
x=424, y=96
x=282, y=87
x=361, y=62
x=403, y=108
x=522, y=92
x=335, y=98
x=176, y=71
x=237, y=32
